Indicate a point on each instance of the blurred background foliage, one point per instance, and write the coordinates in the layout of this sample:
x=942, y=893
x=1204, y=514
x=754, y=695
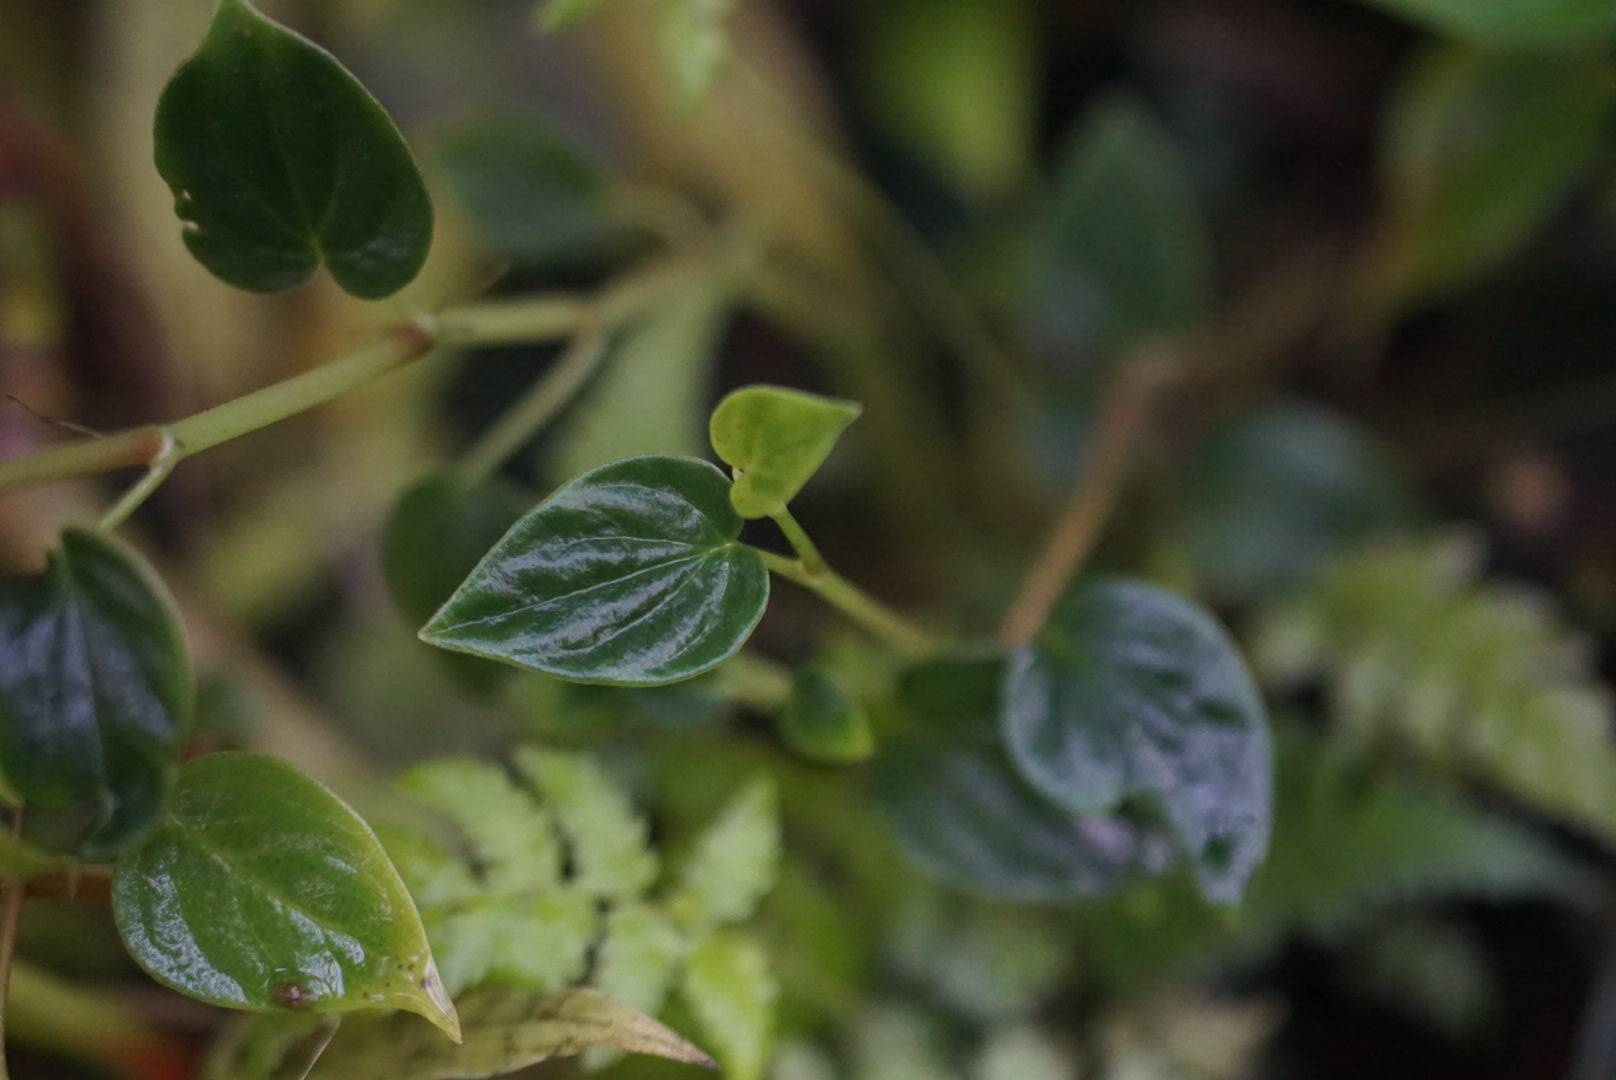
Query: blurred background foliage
x=1379, y=240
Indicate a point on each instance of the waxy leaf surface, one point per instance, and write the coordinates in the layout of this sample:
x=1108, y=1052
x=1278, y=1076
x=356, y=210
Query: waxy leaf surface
x=959, y=809
x=95, y=694
x=280, y=160
x=262, y=890
x=1130, y=693
x=775, y=438
x=631, y=574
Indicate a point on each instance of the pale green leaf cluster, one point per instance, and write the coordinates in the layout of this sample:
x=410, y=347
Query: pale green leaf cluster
x=545, y=878
x=1422, y=659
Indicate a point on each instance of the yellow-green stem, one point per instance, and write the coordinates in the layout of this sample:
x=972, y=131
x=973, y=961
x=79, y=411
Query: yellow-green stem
x=862, y=608
x=812, y=561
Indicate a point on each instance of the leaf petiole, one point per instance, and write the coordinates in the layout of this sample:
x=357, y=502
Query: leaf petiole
x=856, y=604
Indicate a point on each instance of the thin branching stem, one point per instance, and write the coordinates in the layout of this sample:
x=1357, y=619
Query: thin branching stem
x=874, y=616
x=1082, y=520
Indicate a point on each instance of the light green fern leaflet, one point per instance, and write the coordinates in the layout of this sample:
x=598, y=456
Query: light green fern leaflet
x=545, y=878
x=1475, y=679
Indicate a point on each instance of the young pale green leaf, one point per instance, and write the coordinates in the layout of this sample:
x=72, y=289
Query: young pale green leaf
x=821, y=723
x=279, y=160
x=651, y=396
x=610, y=854
x=531, y=195
x=1512, y=22
x=1479, y=150
x=505, y=1031
x=734, y=863
x=729, y=987
x=775, y=439
x=1123, y=235
x=539, y=941
x=262, y=890
x=631, y=574
x=641, y=952
x=96, y=694
x=962, y=813
x=1131, y=692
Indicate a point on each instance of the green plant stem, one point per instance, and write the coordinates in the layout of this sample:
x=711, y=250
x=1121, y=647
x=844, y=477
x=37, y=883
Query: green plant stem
x=529, y=415
x=1082, y=520
x=812, y=561
x=10, y=915
x=856, y=604
x=161, y=465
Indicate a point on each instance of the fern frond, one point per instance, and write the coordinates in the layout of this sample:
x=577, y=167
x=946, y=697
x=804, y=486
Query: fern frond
x=1473, y=679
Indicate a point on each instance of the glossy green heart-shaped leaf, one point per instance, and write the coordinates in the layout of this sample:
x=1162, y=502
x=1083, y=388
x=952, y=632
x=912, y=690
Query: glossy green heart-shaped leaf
x=279, y=160
x=1131, y=692
x=96, y=694
x=262, y=890
x=775, y=439
x=631, y=574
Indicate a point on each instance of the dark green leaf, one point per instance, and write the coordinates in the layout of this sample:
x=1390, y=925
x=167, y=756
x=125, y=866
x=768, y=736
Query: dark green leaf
x=962, y=813
x=439, y=529
x=531, y=195
x=505, y=1030
x=1278, y=490
x=1131, y=692
x=631, y=574
x=776, y=439
x=1506, y=22
x=1123, y=238
x=262, y=890
x=280, y=160
x=820, y=722
x=1479, y=151
x=95, y=694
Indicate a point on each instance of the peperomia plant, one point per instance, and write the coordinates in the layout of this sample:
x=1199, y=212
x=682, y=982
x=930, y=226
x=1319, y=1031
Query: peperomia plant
x=1109, y=732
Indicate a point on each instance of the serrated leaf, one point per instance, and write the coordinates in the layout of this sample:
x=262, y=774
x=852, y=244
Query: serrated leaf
x=1479, y=149
x=1131, y=692
x=505, y=1031
x=512, y=837
x=531, y=195
x=1510, y=22
x=775, y=439
x=279, y=160
x=515, y=938
x=1420, y=657
x=1122, y=238
x=610, y=856
x=262, y=890
x=733, y=864
x=731, y=991
x=631, y=574
x=822, y=723
x=650, y=398
x=96, y=695
x=641, y=954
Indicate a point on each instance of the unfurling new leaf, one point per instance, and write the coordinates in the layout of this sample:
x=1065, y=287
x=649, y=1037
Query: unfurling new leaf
x=775, y=439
